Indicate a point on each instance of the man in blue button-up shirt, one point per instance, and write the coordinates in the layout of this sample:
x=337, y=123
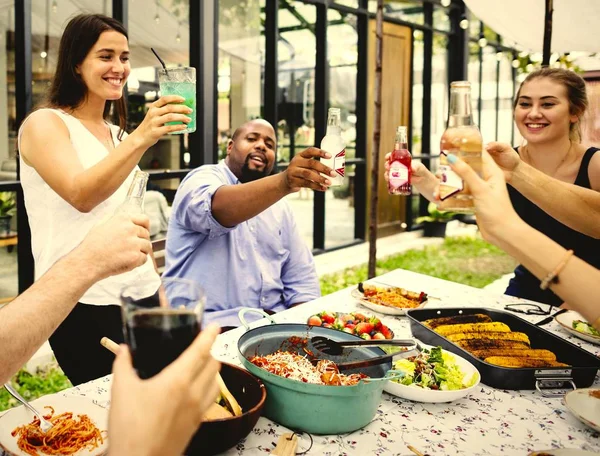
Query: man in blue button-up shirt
x=231, y=231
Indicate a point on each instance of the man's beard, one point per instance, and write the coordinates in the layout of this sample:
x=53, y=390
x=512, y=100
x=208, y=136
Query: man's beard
x=249, y=175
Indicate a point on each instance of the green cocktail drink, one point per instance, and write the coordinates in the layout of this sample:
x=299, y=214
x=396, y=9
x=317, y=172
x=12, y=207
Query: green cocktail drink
x=182, y=82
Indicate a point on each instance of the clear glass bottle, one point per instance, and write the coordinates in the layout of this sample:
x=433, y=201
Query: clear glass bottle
x=334, y=144
x=463, y=139
x=134, y=202
x=399, y=165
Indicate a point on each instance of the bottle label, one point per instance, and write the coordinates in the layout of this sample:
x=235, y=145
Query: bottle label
x=450, y=182
x=398, y=174
x=339, y=162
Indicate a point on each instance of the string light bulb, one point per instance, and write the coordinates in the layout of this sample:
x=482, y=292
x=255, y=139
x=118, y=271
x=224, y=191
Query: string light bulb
x=482, y=42
x=464, y=24
x=446, y=3
x=54, y=6
x=178, y=37
x=515, y=63
x=157, y=17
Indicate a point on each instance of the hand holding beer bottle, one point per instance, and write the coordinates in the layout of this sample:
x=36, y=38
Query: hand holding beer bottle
x=462, y=139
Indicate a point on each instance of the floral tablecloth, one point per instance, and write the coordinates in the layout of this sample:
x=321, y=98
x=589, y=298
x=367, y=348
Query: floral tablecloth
x=488, y=421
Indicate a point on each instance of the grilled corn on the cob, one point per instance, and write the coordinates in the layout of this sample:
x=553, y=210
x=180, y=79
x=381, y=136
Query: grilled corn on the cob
x=503, y=352
x=495, y=326
x=490, y=344
x=511, y=361
x=458, y=319
x=518, y=336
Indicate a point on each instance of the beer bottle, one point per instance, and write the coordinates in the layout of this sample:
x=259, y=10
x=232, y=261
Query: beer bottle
x=134, y=202
x=334, y=144
x=463, y=139
x=399, y=165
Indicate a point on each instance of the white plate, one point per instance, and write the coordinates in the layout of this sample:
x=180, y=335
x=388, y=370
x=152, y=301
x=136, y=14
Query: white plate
x=387, y=310
x=566, y=319
x=584, y=406
x=416, y=394
x=79, y=405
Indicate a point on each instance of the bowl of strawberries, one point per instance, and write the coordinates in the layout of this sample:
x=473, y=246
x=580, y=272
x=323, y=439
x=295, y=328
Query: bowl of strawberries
x=365, y=326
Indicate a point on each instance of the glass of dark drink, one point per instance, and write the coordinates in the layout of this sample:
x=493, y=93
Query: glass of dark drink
x=159, y=326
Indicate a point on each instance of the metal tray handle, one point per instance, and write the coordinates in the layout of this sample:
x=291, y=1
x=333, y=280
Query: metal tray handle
x=548, y=382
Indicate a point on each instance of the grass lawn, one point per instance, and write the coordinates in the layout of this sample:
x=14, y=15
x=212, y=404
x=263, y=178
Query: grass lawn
x=467, y=260
x=470, y=261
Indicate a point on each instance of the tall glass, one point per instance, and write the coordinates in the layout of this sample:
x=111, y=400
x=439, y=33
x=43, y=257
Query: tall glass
x=182, y=82
x=161, y=323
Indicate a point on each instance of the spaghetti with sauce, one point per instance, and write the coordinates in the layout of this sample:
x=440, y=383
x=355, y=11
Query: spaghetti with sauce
x=67, y=435
x=297, y=367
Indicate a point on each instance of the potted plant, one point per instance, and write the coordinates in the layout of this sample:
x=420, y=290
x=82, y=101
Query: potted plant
x=434, y=224
x=8, y=205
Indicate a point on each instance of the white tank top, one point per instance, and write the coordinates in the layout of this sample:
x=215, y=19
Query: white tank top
x=57, y=227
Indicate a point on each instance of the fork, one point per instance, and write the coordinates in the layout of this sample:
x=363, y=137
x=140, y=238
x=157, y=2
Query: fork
x=45, y=425
x=334, y=347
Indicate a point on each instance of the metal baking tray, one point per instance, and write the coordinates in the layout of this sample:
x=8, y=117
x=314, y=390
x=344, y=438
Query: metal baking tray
x=581, y=372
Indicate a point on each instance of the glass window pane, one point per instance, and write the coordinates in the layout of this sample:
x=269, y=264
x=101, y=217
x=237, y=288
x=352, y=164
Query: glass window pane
x=505, y=111
x=441, y=21
x=162, y=25
x=295, y=100
x=439, y=93
x=473, y=77
x=9, y=284
x=417, y=98
x=241, y=55
x=339, y=203
x=407, y=10
x=352, y=3
x=487, y=125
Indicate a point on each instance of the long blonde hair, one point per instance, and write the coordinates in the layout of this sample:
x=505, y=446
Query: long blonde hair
x=576, y=93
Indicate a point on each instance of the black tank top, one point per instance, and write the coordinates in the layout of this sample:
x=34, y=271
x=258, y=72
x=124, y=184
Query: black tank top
x=525, y=284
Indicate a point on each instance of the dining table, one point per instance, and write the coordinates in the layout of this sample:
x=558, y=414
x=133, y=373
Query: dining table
x=488, y=421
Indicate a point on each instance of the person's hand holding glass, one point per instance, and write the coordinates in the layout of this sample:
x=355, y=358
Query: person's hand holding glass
x=160, y=323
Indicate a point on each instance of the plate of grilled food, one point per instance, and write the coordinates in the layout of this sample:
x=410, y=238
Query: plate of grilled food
x=575, y=324
x=493, y=342
x=387, y=299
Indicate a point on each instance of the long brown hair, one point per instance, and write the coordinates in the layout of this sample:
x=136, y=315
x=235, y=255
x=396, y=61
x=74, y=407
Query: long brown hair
x=576, y=93
x=68, y=90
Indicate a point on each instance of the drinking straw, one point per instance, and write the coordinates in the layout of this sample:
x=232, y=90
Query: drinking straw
x=162, y=62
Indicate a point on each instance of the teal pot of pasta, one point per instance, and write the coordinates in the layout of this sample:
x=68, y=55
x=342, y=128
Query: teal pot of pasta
x=298, y=398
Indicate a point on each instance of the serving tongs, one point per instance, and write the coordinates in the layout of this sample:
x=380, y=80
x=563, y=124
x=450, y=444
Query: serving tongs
x=333, y=347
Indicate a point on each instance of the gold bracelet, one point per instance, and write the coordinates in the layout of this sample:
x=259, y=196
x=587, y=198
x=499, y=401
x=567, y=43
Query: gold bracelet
x=552, y=276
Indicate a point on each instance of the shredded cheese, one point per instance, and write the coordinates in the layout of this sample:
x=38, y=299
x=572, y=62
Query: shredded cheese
x=296, y=367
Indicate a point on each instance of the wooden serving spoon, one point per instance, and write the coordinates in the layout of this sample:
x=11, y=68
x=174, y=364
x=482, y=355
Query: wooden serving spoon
x=112, y=346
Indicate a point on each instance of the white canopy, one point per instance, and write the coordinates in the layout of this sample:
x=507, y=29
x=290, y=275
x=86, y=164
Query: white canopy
x=574, y=26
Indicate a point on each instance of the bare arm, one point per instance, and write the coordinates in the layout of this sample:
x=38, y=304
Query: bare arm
x=500, y=225
x=234, y=204
x=575, y=206
x=45, y=145
x=28, y=321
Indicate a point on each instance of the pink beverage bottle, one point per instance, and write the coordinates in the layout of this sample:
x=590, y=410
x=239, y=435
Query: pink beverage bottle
x=399, y=165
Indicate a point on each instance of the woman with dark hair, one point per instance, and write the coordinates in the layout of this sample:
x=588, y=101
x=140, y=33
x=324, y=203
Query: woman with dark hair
x=76, y=168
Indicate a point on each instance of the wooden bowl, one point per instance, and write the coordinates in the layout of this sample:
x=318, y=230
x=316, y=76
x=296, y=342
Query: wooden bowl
x=218, y=436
